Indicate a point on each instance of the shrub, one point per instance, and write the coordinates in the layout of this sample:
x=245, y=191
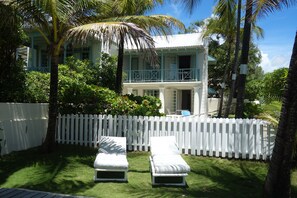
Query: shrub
x=37, y=87
x=251, y=110
x=76, y=96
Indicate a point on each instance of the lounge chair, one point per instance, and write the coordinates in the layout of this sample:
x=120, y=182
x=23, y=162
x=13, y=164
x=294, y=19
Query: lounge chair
x=166, y=164
x=111, y=161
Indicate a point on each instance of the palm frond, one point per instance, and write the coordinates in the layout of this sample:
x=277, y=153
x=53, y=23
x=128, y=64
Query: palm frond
x=269, y=118
x=106, y=31
x=259, y=32
x=189, y=4
x=155, y=24
x=264, y=7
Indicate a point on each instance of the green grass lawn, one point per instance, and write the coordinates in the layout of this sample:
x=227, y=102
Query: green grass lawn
x=70, y=171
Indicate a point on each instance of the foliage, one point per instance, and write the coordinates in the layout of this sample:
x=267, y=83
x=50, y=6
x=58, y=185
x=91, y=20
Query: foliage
x=37, y=87
x=12, y=81
x=69, y=171
x=104, y=71
x=77, y=94
x=271, y=112
x=12, y=75
x=218, y=51
x=254, y=90
x=146, y=105
x=274, y=84
x=251, y=110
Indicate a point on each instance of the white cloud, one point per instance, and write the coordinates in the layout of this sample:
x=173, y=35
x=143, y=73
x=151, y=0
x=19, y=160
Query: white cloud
x=271, y=62
x=265, y=62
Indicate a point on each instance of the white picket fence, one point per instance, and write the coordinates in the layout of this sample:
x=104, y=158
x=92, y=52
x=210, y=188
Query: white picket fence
x=227, y=138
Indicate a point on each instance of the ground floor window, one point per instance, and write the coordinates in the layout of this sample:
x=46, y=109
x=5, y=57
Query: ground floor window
x=135, y=92
x=151, y=92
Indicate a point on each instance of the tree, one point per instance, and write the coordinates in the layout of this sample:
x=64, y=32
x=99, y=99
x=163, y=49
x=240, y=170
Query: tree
x=244, y=58
x=133, y=11
x=236, y=60
x=11, y=68
x=278, y=179
x=274, y=84
x=225, y=26
x=261, y=7
x=59, y=21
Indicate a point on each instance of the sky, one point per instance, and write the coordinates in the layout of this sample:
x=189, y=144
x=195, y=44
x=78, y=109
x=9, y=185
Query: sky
x=279, y=30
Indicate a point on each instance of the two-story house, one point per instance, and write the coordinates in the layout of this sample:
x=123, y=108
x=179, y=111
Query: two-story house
x=179, y=79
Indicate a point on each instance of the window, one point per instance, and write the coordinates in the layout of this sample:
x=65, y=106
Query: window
x=135, y=92
x=151, y=92
x=134, y=63
x=44, y=59
x=80, y=53
x=149, y=65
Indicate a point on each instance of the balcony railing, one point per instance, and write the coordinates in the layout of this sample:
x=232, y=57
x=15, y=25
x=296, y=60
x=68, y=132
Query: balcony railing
x=178, y=75
x=40, y=69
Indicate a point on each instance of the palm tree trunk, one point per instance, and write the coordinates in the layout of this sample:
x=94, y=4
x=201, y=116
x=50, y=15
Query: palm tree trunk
x=225, y=79
x=236, y=61
x=278, y=179
x=119, y=75
x=244, y=59
x=49, y=143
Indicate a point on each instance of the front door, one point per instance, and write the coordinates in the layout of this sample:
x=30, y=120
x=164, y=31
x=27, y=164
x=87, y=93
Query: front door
x=186, y=100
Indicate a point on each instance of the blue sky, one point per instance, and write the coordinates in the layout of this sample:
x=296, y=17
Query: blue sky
x=279, y=30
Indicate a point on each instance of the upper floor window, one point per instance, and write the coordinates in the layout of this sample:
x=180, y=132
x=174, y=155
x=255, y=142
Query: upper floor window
x=82, y=53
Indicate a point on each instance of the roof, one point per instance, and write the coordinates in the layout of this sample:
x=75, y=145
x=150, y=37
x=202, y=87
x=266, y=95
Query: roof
x=174, y=41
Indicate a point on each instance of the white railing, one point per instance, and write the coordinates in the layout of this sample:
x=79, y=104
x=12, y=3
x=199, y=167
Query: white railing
x=227, y=138
x=165, y=75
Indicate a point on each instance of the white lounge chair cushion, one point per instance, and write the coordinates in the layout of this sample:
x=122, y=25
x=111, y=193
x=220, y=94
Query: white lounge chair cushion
x=164, y=146
x=111, y=161
x=170, y=164
x=112, y=145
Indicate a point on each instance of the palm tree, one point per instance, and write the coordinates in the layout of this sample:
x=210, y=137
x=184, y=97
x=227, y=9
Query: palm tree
x=278, y=179
x=261, y=7
x=244, y=58
x=133, y=11
x=73, y=20
x=228, y=26
x=236, y=60
x=225, y=26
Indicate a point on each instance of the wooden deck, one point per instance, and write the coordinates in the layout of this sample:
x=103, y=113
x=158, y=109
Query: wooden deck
x=24, y=193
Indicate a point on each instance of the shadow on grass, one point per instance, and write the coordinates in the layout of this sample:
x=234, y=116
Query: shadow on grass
x=70, y=170
x=49, y=172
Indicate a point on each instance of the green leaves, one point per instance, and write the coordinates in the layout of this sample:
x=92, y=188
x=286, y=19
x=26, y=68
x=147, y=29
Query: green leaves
x=79, y=92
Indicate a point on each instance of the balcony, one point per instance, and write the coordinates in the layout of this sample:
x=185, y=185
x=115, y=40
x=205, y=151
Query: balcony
x=39, y=69
x=178, y=75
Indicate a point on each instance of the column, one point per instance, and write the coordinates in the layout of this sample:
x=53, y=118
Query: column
x=162, y=67
x=197, y=76
x=130, y=68
x=204, y=75
x=162, y=98
x=196, y=108
x=140, y=92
